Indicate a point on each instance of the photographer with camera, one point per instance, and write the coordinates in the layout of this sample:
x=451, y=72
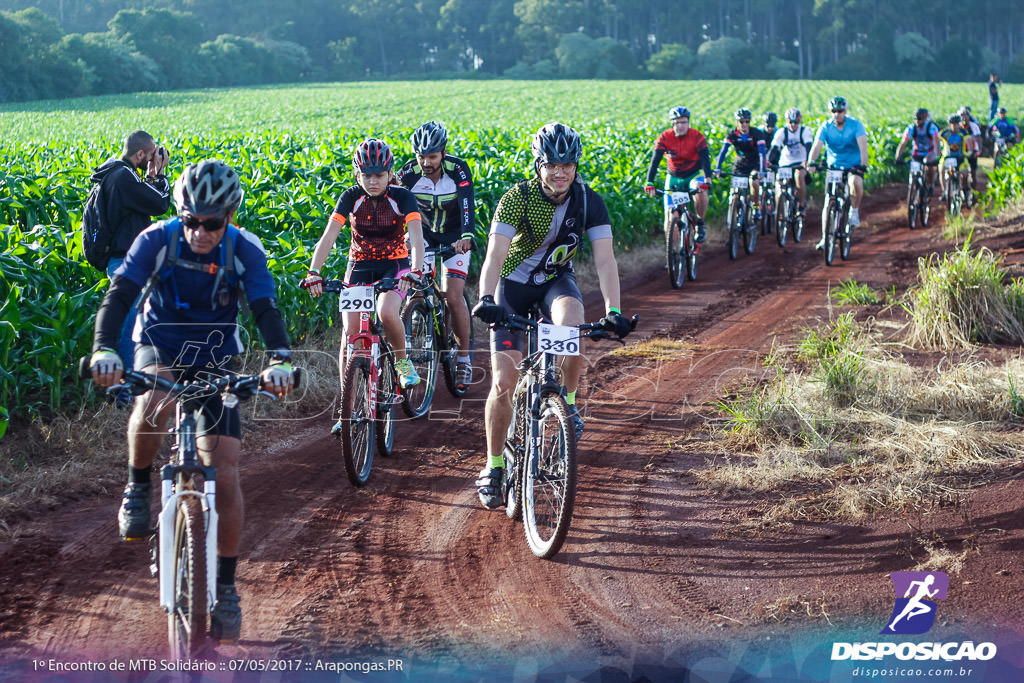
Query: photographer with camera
x=128, y=202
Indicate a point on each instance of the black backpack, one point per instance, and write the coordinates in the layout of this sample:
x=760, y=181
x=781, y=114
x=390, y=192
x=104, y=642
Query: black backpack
x=97, y=237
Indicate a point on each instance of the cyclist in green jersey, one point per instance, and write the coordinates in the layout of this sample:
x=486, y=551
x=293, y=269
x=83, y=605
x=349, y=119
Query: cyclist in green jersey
x=537, y=228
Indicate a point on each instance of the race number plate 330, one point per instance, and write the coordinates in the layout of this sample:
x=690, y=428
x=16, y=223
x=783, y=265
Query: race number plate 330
x=560, y=340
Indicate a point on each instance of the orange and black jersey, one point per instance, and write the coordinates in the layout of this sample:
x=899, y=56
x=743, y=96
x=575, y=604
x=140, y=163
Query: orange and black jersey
x=378, y=223
x=447, y=205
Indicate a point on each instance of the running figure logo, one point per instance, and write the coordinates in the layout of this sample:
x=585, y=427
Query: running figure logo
x=914, y=613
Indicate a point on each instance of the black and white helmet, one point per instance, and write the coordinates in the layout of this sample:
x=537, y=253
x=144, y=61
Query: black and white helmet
x=208, y=188
x=793, y=115
x=429, y=138
x=556, y=143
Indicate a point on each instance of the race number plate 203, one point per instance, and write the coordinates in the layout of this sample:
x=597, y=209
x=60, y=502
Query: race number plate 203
x=356, y=299
x=560, y=340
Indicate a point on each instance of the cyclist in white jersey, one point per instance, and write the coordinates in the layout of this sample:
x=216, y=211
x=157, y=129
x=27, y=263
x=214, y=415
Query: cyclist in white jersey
x=790, y=146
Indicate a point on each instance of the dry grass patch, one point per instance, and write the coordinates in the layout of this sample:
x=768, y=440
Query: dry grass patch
x=658, y=349
x=797, y=607
x=901, y=437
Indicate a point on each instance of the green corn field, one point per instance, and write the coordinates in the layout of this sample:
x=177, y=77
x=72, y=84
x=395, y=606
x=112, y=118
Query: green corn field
x=292, y=145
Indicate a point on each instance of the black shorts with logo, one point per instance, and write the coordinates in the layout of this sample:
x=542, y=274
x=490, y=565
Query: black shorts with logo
x=519, y=298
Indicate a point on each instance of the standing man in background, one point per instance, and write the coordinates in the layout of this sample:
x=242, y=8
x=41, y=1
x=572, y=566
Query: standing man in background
x=128, y=204
x=993, y=96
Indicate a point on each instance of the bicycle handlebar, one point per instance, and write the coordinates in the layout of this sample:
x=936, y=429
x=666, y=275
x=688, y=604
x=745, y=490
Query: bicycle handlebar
x=242, y=386
x=383, y=285
x=595, y=331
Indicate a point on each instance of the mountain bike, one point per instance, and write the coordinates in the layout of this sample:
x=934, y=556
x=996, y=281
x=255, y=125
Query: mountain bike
x=430, y=339
x=836, y=216
x=540, y=448
x=681, y=247
x=769, y=218
x=184, y=557
x=1000, y=147
x=919, y=206
x=790, y=220
x=740, y=223
x=369, y=386
x=953, y=181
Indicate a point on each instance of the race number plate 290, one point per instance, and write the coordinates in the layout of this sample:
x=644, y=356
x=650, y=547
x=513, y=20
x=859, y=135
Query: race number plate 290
x=834, y=177
x=356, y=299
x=560, y=340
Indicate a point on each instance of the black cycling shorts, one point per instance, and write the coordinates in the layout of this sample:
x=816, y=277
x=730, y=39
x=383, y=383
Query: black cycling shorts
x=519, y=299
x=371, y=270
x=213, y=418
x=744, y=168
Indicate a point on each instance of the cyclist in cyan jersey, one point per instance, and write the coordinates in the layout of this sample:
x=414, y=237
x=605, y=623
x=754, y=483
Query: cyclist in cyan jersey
x=846, y=145
x=443, y=187
x=751, y=153
x=189, y=328
x=689, y=164
x=956, y=144
x=379, y=213
x=924, y=135
x=790, y=146
x=537, y=228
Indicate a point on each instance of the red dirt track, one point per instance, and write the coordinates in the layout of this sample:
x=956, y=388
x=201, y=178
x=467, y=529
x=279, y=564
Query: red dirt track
x=412, y=566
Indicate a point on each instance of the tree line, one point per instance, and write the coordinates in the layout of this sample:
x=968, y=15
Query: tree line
x=65, y=48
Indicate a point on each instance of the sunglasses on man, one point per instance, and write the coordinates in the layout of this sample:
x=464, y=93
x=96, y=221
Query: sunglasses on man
x=208, y=224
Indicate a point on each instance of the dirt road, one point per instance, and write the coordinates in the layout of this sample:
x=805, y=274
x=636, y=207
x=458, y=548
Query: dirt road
x=652, y=580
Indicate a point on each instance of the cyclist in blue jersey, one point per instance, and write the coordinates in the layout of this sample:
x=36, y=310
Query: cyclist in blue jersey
x=189, y=326
x=1004, y=128
x=846, y=145
x=924, y=134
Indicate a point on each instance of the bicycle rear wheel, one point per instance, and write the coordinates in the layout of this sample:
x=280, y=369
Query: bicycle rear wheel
x=357, y=423
x=448, y=360
x=845, y=233
x=549, y=476
x=419, y=343
x=186, y=624
x=674, y=252
x=768, y=221
x=691, y=250
x=515, y=457
x=387, y=396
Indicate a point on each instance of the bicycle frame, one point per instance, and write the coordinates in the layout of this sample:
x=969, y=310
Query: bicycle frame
x=187, y=464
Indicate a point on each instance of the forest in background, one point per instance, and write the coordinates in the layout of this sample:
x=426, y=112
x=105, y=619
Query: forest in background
x=67, y=48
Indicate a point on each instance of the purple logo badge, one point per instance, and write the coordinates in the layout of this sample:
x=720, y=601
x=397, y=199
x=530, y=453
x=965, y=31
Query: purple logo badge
x=917, y=596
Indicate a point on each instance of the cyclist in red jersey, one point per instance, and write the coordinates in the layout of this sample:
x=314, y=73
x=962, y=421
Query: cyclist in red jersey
x=689, y=163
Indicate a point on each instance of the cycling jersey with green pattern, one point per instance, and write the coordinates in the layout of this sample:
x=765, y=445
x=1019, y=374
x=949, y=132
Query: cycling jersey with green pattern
x=545, y=236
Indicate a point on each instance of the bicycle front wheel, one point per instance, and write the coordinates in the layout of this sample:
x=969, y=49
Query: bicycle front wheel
x=357, y=423
x=845, y=233
x=785, y=220
x=549, y=479
x=913, y=205
x=418, y=319
x=186, y=624
x=674, y=252
x=732, y=241
x=750, y=234
x=691, y=250
x=831, y=219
